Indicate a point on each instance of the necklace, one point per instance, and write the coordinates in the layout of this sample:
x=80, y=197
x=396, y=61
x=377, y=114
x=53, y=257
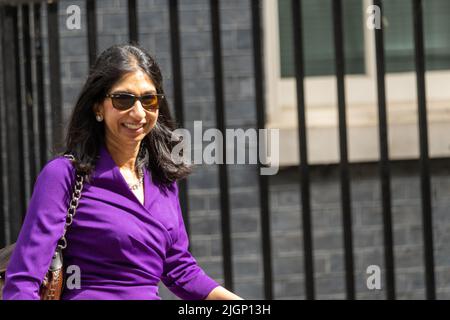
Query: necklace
x=137, y=184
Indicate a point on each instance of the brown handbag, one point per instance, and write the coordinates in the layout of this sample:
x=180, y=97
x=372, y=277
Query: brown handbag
x=53, y=283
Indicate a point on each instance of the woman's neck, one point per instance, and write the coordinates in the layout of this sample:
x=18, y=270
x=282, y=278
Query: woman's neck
x=123, y=155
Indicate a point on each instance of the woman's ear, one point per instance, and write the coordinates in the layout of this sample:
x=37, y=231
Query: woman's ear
x=98, y=111
x=97, y=108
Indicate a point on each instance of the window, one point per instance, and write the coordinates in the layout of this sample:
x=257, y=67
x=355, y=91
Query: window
x=318, y=37
x=360, y=79
x=398, y=26
x=399, y=40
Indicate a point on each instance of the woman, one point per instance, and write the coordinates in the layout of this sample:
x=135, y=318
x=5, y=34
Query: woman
x=128, y=231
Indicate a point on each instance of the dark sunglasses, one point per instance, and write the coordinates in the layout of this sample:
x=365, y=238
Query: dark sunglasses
x=125, y=101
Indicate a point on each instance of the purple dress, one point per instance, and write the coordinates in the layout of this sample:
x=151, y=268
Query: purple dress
x=122, y=248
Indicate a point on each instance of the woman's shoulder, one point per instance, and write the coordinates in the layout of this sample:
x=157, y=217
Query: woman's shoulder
x=167, y=188
x=171, y=189
x=57, y=168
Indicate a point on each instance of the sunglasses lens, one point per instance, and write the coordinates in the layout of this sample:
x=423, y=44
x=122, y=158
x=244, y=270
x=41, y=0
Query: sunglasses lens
x=150, y=101
x=123, y=101
x=126, y=101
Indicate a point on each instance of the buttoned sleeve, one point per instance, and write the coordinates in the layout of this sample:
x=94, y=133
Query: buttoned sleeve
x=182, y=275
x=42, y=228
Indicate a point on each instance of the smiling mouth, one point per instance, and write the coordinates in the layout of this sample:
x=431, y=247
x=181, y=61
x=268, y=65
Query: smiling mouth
x=133, y=126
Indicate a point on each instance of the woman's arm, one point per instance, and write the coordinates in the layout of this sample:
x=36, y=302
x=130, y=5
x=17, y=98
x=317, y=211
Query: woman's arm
x=40, y=232
x=182, y=275
x=220, y=293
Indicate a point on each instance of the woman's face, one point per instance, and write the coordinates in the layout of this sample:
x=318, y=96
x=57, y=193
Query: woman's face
x=116, y=131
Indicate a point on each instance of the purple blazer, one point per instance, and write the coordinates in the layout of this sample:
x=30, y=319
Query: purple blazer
x=123, y=248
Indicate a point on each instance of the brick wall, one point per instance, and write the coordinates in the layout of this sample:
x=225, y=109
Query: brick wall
x=367, y=230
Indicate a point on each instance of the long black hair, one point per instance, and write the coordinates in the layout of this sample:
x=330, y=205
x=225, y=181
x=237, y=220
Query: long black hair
x=85, y=135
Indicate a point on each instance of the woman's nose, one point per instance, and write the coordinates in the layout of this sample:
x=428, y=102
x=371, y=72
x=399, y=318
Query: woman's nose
x=138, y=109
